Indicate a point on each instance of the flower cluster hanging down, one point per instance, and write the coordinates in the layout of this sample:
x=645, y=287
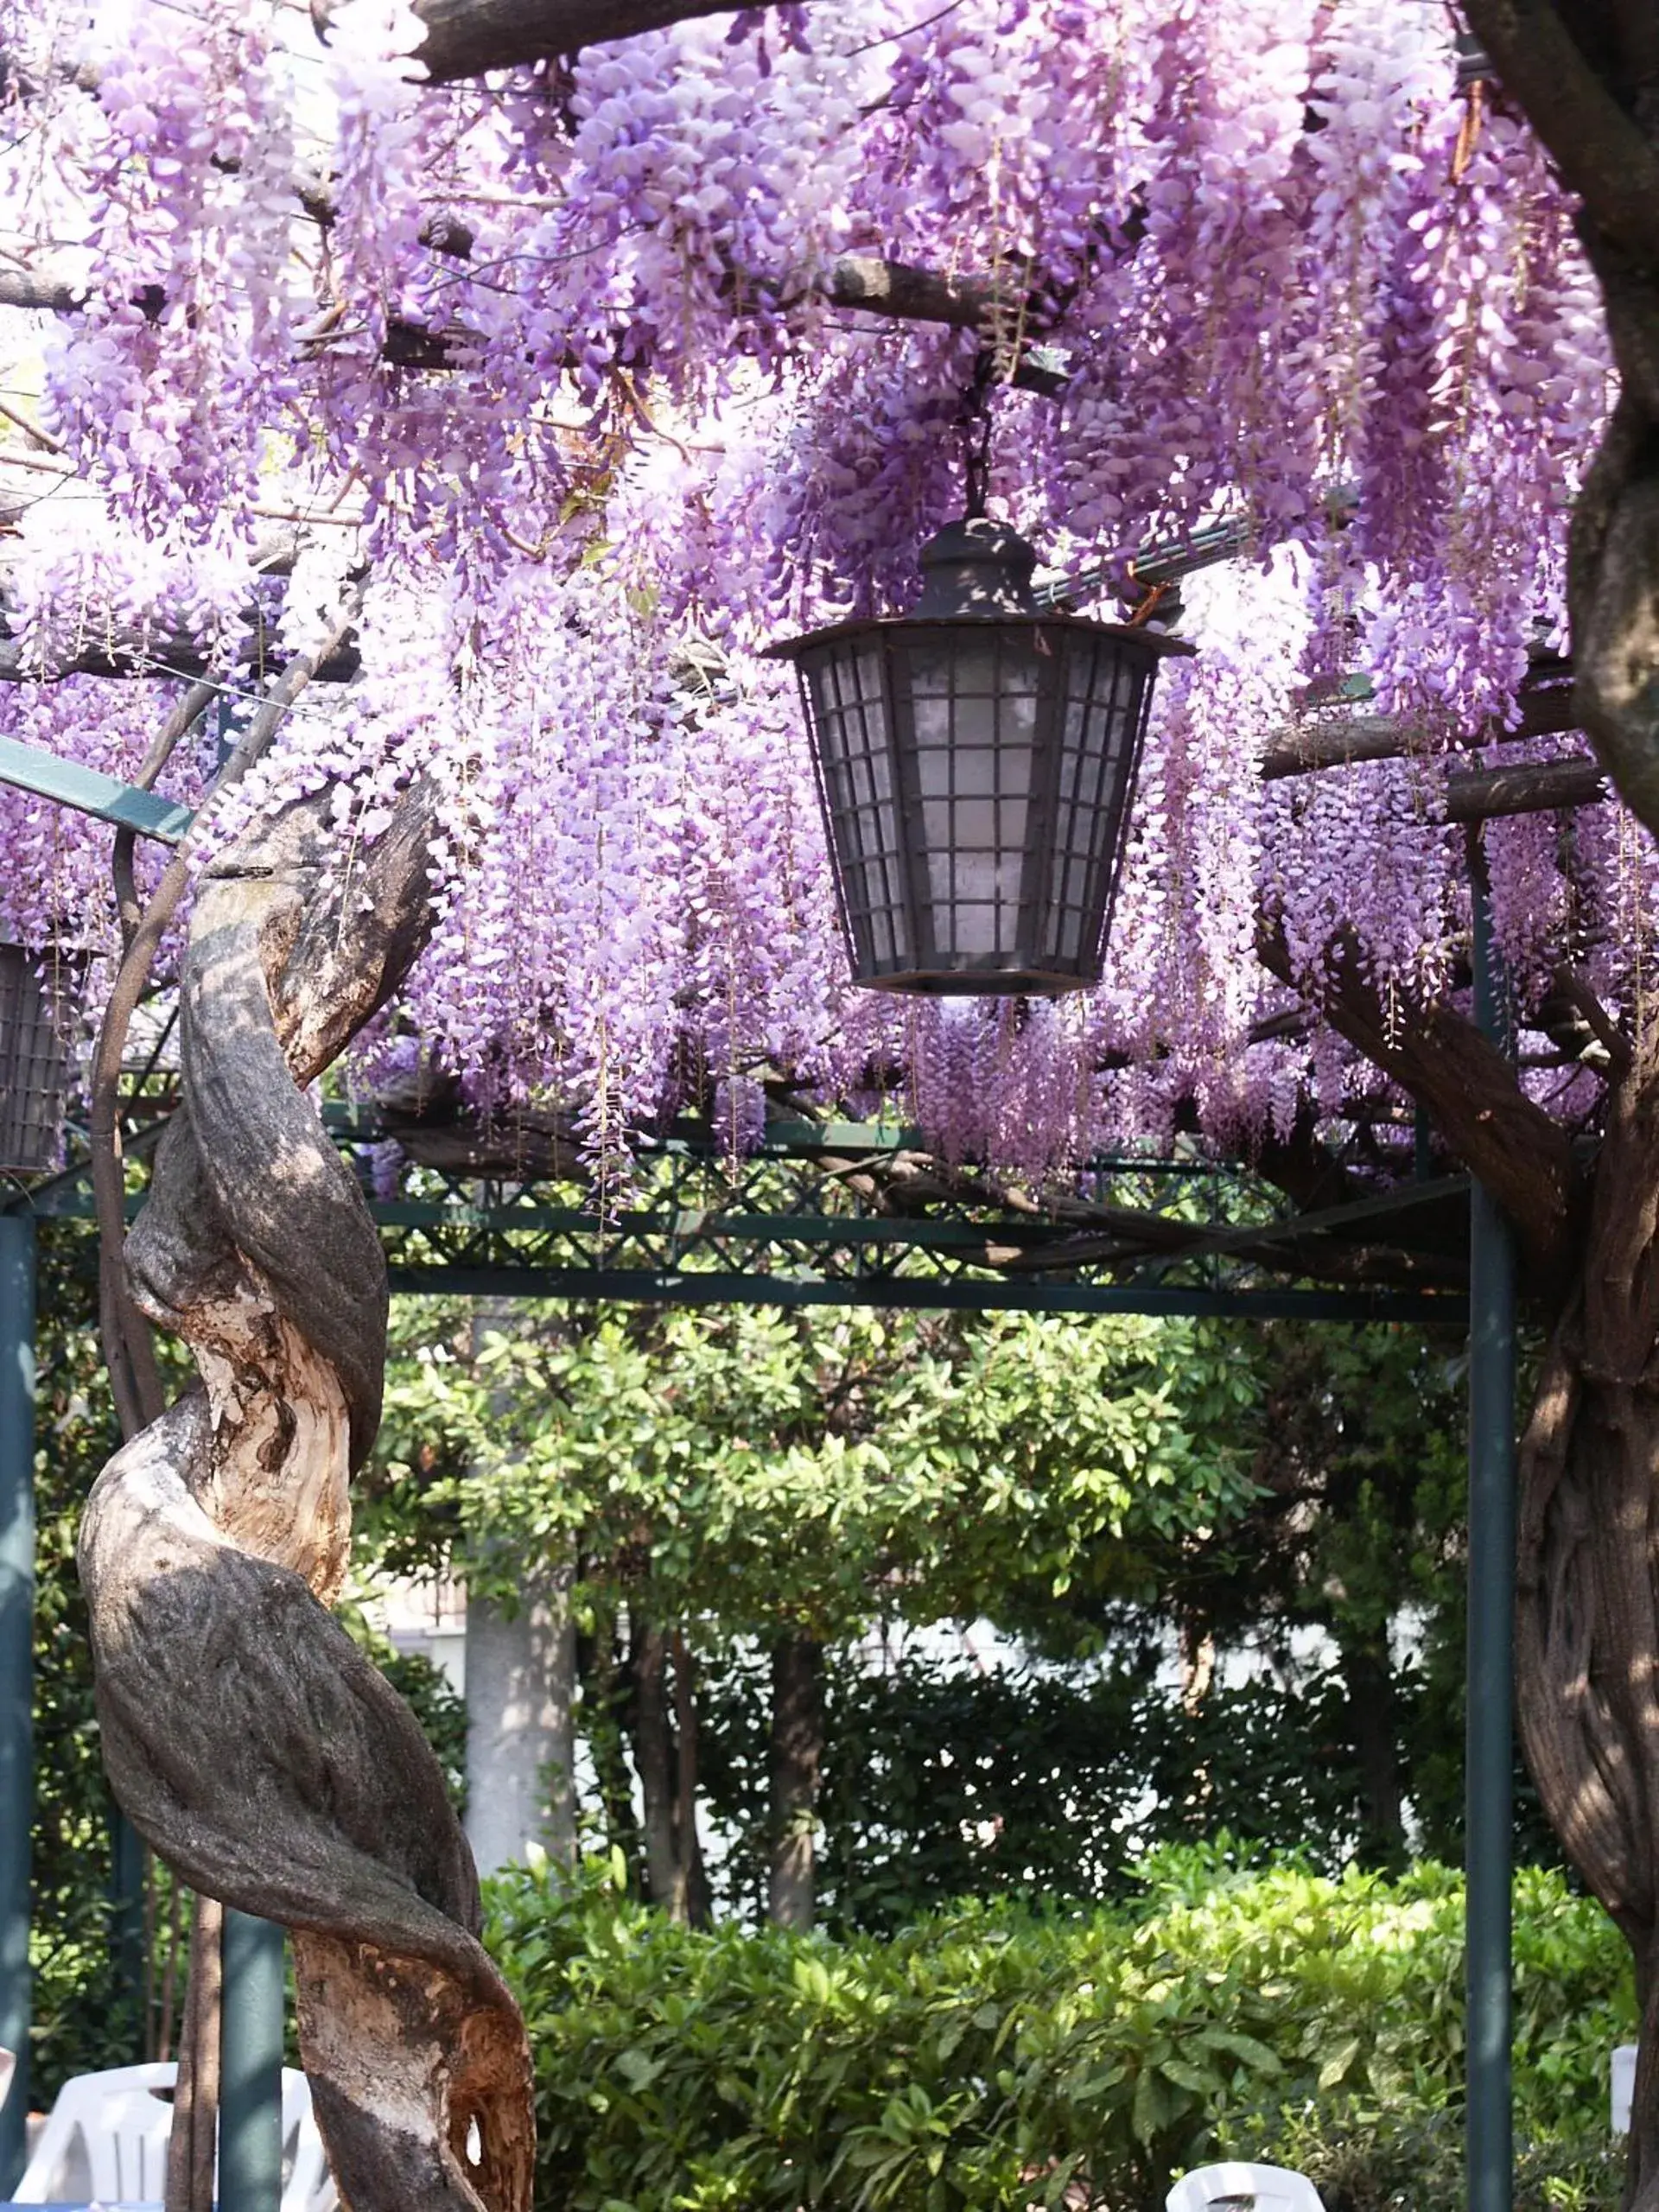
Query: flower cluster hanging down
x=564, y=356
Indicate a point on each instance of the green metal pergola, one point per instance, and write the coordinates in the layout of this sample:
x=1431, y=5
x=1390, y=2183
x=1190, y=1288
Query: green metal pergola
x=824, y=1213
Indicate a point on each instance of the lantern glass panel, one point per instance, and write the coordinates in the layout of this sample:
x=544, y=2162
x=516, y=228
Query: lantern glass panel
x=1103, y=695
x=39, y=1004
x=849, y=711
x=972, y=696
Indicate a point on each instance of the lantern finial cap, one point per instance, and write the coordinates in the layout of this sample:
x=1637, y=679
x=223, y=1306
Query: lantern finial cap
x=975, y=567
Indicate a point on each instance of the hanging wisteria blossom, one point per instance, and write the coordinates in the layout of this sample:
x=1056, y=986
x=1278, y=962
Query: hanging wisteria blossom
x=568, y=360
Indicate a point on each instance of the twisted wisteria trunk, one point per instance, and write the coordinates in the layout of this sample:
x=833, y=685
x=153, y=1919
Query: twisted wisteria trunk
x=1587, y=1598
x=246, y=1736
x=1587, y=1619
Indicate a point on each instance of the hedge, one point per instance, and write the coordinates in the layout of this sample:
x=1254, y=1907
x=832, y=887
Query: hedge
x=998, y=2056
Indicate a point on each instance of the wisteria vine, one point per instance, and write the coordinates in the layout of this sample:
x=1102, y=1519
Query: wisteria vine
x=555, y=356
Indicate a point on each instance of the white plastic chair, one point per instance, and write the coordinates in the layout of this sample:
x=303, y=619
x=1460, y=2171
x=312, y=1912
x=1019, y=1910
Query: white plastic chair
x=106, y=2138
x=8, y=2067
x=1624, y=2086
x=1239, y=2187
x=307, y=2185
x=106, y=2141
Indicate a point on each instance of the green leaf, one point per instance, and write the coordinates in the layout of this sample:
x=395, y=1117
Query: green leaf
x=1338, y=2062
x=1248, y=2047
x=1150, y=2108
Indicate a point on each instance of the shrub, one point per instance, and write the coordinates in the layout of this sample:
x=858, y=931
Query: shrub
x=939, y=1782
x=995, y=2057
x=1362, y=2161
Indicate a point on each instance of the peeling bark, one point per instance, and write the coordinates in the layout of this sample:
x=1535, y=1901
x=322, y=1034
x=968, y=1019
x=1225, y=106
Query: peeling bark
x=247, y=1739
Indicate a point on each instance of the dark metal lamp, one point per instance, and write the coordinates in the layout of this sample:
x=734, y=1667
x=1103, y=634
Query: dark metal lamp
x=39, y=1006
x=975, y=760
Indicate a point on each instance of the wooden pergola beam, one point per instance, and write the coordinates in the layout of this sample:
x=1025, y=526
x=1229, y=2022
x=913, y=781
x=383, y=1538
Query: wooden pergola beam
x=1528, y=787
x=179, y=654
x=1546, y=708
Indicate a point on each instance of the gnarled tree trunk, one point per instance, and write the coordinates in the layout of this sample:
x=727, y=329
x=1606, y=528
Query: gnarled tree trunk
x=1587, y=1619
x=246, y=1736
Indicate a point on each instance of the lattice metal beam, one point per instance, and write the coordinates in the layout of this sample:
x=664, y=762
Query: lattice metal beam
x=844, y=1214
x=31, y=768
x=933, y=1294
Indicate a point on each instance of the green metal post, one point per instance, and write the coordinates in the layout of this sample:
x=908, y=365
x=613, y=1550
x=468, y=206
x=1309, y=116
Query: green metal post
x=16, y=1665
x=1489, y=1772
x=250, y=2064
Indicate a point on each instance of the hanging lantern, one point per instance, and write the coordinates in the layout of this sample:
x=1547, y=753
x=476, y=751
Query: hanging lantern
x=40, y=1009
x=975, y=760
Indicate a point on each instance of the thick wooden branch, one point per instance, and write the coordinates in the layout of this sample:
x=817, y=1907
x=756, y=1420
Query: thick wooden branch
x=41, y=290
x=1521, y=1155
x=130, y=651
x=1547, y=708
x=865, y=281
x=1574, y=1016
x=1328, y=1246
x=466, y=38
x=894, y=288
x=1529, y=787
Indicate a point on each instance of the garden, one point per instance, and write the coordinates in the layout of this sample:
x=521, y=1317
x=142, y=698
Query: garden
x=828, y=1158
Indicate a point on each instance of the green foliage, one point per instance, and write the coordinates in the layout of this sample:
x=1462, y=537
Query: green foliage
x=1361, y=2159
x=940, y=1782
x=80, y=2021
x=994, y=2059
x=810, y=1470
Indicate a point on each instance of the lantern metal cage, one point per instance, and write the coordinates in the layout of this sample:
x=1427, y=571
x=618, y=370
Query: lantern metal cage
x=976, y=761
x=40, y=1011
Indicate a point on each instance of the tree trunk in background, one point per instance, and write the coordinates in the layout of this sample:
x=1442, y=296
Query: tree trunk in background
x=796, y=1753
x=1198, y=1665
x=1372, y=1719
x=521, y=1742
x=521, y=1695
x=696, y=1904
x=665, y=1758
x=192, y=2141
x=653, y=1759
x=607, y=1703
